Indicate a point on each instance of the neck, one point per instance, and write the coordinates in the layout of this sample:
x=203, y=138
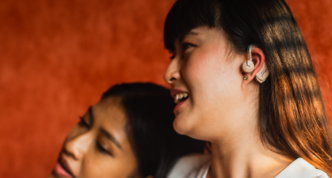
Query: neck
x=237, y=149
x=244, y=156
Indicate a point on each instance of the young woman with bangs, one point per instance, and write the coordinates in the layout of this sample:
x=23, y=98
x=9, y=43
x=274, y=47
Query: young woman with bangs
x=127, y=134
x=242, y=78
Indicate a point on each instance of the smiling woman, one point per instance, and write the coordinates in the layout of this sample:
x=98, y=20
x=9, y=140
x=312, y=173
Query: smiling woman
x=128, y=133
x=242, y=78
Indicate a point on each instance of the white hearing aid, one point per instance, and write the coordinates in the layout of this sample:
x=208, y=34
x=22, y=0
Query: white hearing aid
x=248, y=66
x=262, y=74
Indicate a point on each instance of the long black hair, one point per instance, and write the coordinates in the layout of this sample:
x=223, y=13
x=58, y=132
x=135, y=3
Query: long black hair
x=293, y=121
x=150, y=130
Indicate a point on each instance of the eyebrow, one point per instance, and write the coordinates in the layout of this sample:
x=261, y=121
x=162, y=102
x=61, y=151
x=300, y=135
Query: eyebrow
x=107, y=134
x=191, y=32
x=110, y=137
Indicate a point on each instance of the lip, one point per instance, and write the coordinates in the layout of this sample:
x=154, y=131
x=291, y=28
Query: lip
x=62, y=168
x=177, y=106
x=175, y=91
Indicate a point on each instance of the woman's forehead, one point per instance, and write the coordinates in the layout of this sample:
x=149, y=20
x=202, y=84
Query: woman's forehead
x=111, y=107
x=202, y=33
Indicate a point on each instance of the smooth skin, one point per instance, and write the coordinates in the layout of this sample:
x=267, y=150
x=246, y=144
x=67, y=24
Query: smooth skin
x=98, y=146
x=222, y=108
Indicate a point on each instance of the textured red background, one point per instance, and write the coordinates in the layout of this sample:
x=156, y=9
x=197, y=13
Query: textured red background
x=58, y=56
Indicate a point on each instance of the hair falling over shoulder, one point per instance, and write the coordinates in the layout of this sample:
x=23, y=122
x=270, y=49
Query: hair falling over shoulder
x=293, y=117
x=293, y=121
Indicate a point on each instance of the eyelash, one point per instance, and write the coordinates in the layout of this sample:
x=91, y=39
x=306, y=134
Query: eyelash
x=99, y=147
x=185, y=46
x=83, y=123
x=102, y=149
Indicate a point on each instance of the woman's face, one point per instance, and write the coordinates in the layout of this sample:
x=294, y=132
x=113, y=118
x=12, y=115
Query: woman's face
x=208, y=71
x=98, y=145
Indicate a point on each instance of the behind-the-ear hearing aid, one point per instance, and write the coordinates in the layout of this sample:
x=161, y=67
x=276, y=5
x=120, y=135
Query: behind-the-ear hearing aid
x=248, y=66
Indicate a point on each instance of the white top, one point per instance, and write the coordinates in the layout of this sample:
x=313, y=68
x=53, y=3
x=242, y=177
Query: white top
x=197, y=166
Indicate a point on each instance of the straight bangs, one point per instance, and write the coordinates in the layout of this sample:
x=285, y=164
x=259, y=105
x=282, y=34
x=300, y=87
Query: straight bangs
x=186, y=15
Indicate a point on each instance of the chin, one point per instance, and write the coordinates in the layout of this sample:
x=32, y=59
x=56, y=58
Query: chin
x=178, y=129
x=187, y=126
x=182, y=125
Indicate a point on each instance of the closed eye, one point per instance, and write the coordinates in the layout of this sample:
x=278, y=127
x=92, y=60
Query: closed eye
x=102, y=149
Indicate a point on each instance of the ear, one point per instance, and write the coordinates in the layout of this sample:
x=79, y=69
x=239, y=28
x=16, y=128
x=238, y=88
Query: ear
x=258, y=57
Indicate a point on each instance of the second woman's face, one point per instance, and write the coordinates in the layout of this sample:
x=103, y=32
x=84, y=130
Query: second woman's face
x=98, y=145
x=208, y=71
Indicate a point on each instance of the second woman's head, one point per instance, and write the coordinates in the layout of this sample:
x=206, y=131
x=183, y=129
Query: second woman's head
x=127, y=134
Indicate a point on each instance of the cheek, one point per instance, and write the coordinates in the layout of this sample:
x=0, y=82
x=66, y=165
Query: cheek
x=204, y=70
x=212, y=79
x=99, y=165
x=105, y=170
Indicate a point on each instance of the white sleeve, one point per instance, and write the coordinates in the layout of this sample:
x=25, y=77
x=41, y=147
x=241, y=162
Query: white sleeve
x=301, y=169
x=190, y=166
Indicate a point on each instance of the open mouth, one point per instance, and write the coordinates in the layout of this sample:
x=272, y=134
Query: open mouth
x=181, y=97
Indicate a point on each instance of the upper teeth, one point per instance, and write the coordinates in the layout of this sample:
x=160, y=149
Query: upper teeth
x=180, y=96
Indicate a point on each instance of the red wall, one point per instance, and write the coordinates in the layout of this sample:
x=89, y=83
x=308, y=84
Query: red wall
x=57, y=57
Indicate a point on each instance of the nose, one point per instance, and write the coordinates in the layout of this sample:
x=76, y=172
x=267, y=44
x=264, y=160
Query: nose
x=77, y=146
x=172, y=72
